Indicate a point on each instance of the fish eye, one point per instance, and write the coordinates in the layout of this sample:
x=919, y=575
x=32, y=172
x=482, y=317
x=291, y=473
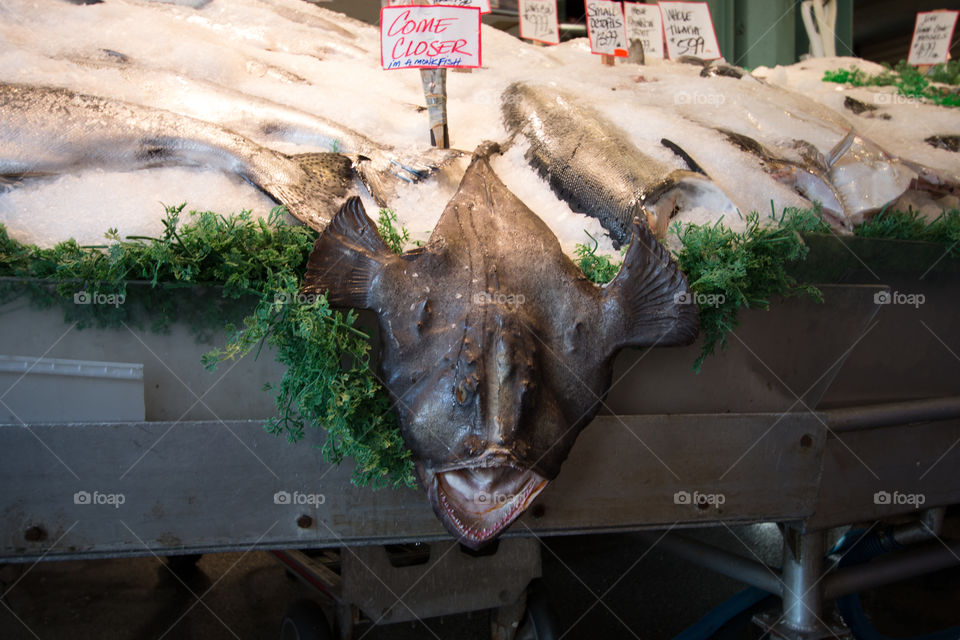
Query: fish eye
x=422, y=313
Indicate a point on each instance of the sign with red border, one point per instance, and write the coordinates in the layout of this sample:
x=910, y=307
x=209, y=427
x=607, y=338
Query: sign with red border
x=429, y=37
x=932, y=35
x=483, y=5
x=688, y=30
x=606, y=28
x=644, y=24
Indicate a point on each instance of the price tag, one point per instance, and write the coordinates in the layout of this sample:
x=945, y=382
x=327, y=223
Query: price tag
x=644, y=24
x=689, y=31
x=428, y=37
x=606, y=28
x=483, y=5
x=538, y=21
x=932, y=36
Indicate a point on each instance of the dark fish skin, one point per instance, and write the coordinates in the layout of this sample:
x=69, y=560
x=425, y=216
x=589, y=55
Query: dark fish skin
x=589, y=162
x=948, y=142
x=857, y=106
x=722, y=69
x=696, y=61
x=691, y=163
x=495, y=347
x=714, y=67
x=46, y=130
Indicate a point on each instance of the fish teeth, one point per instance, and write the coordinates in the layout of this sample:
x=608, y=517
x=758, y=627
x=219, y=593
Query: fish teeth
x=470, y=531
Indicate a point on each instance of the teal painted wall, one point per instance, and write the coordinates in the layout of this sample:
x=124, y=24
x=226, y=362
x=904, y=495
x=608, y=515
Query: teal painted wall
x=765, y=32
x=770, y=32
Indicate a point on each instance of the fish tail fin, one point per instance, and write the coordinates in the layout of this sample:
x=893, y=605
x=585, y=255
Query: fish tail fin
x=652, y=303
x=346, y=258
x=313, y=187
x=840, y=148
x=382, y=173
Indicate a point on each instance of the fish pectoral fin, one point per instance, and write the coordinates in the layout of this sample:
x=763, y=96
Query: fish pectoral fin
x=840, y=148
x=346, y=258
x=683, y=155
x=649, y=302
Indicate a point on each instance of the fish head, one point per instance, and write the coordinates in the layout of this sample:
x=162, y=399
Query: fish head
x=481, y=395
x=495, y=349
x=486, y=428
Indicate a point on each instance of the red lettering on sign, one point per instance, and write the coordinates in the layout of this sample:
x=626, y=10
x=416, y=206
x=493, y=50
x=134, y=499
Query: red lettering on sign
x=405, y=26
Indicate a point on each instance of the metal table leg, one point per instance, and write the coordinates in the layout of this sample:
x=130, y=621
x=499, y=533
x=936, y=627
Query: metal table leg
x=802, y=616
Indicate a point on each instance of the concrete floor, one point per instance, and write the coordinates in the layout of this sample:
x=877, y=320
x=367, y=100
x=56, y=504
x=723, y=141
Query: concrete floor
x=601, y=586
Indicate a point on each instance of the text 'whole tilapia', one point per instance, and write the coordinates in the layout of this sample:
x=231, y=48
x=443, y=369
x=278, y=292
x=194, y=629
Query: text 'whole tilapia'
x=496, y=350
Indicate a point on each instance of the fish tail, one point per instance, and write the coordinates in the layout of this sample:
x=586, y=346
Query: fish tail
x=346, y=258
x=654, y=304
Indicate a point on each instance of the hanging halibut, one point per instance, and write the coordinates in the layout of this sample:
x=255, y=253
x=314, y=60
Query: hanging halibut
x=496, y=350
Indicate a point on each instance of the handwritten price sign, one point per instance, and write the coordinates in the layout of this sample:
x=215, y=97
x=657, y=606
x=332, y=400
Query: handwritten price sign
x=483, y=5
x=644, y=24
x=932, y=36
x=689, y=30
x=606, y=28
x=538, y=21
x=429, y=37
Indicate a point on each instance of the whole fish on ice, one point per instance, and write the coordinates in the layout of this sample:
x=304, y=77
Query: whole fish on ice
x=592, y=166
x=810, y=179
x=46, y=131
x=381, y=167
x=864, y=176
x=495, y=348
x=112, y=70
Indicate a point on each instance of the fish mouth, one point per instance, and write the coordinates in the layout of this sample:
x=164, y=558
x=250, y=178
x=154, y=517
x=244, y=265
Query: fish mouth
x=476, y=503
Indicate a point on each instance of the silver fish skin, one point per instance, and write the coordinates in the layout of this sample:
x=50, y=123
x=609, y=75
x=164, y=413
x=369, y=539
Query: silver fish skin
x=810, y=179
x=482, y=330
x=46, y=130
x=382, y=167
x=590, y=164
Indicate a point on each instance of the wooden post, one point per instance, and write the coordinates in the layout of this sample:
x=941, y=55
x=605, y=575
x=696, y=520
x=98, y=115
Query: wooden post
x=608, y=60
x=435, y=91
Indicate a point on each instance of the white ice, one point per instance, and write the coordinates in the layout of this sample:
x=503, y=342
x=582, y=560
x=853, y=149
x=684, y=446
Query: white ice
x=227, y=59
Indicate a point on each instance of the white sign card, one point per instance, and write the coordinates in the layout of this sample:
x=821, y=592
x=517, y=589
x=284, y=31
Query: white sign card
x=538, y=21
x=932, y=35
x=429, y=37
x=644, y=24
x=606, y=28
x=483, y=5
x=688, y=29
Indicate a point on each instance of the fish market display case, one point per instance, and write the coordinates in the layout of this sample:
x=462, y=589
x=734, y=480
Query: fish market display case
x=818, y=415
